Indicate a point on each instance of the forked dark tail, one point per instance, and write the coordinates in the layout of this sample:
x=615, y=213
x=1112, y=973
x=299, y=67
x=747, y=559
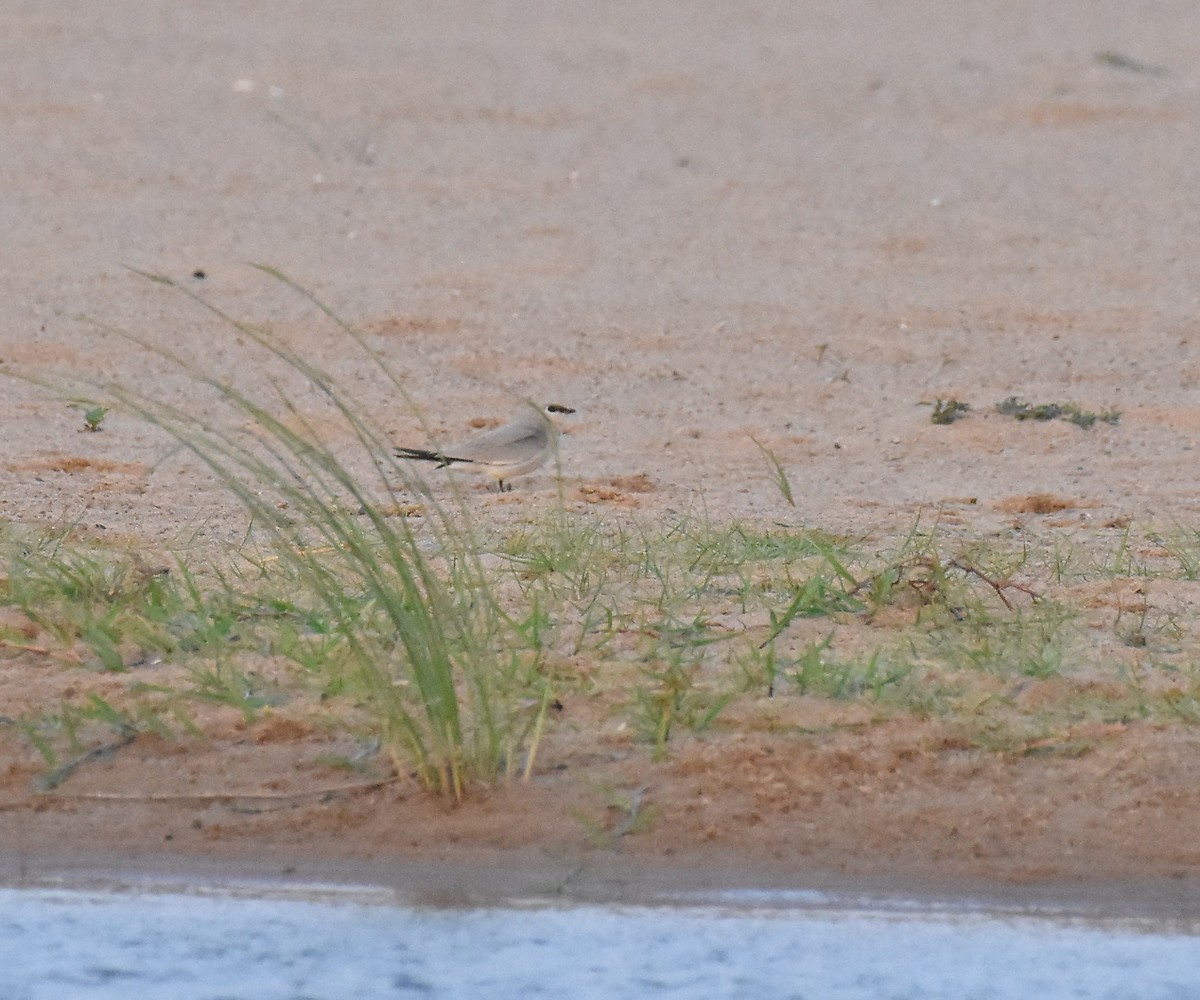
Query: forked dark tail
x=425, y=455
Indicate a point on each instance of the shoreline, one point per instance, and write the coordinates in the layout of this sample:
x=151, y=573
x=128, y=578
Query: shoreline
x=473, y=879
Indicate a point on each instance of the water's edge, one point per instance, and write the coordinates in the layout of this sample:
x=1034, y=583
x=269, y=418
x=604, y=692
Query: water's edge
x=507, y=879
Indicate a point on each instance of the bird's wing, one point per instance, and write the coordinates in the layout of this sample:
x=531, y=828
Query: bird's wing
x=508, y=445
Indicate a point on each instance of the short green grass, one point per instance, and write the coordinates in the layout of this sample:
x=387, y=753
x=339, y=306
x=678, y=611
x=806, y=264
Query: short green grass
x=664, y=625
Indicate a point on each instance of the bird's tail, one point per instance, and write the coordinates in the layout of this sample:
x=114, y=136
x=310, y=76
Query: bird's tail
x=425, y=455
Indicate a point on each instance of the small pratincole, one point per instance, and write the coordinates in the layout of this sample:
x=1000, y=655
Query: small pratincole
x=520, y=446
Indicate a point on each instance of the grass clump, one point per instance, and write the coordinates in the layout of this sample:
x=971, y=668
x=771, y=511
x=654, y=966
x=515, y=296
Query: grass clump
x=402, y=613
x=782, y=483
x=669, y=695
x=1015, y=407
x=947, y=411
x=115, y=608
x=93, y=419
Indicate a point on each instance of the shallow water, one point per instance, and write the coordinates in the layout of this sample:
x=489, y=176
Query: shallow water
x=330, y=942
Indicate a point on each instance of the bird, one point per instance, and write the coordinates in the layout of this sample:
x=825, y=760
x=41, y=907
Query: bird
x=513, y=449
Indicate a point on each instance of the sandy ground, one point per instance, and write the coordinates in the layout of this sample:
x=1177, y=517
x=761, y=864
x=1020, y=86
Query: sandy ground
x=698, y=224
